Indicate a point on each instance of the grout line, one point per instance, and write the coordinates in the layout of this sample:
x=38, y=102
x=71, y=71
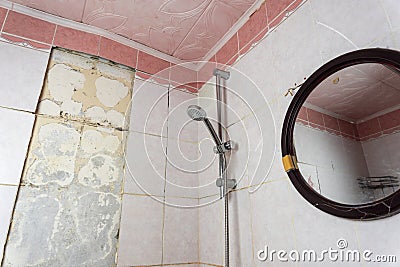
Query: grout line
x=1, y=184
x=150, y=195
x=165, y=185
x=99, y=45
x=251, y=228
x=54, y=35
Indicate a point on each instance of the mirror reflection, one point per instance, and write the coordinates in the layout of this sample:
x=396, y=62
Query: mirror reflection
x=347, y=134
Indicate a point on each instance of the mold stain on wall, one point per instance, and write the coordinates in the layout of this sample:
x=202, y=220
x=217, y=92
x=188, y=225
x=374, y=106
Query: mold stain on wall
x=68, y=206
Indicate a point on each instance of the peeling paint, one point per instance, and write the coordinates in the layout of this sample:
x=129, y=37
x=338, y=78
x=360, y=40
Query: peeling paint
x=63, y=81
x=109, y=91
x=82, y=88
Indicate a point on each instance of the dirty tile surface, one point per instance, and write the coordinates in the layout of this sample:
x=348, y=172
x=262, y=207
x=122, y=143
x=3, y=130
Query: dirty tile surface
x=70, y=198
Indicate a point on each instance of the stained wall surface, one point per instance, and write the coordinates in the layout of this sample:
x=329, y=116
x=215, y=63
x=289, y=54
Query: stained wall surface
x=69, y=203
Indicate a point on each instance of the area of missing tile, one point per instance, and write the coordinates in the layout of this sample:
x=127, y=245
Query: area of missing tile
x=68, y=207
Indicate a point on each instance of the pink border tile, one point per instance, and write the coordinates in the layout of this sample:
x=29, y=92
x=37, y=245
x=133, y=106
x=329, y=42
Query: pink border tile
x=117, y=52
x=333, y=132
x=77, y=40
x=368, y=128
x=316, y=126
x=331, y=122
x=302, y=114
x=229, y=52
x=347, y=127
x=206, y=72
x=153, y=65
x=24, y=42
x=315, y=117
x=29, y=27
x=392, y=130
x=253, y=27
x=390, y=120
x=3, y=13
x=183, y=76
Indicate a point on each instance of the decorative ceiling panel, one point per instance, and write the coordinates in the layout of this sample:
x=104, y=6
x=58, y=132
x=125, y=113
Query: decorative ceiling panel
x=358, y=92
x=185, y=29
x=70, y=9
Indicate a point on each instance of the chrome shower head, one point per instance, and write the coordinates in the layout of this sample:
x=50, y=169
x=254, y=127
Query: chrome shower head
x=196, y=113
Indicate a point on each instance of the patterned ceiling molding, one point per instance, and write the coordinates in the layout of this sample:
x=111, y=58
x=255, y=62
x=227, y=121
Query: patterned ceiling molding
x=235, y=28
x=90, y=29
x=236, y=25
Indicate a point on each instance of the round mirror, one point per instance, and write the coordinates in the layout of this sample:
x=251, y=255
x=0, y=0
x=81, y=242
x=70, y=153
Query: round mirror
x=341, y=135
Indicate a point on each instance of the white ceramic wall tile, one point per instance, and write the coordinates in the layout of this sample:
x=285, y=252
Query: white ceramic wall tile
x=316, y=230
x=22, y=74
x=263, y=145
x=241, y=243
x=337, y=161
x=145, y=164
x=7, y=196
x=211, y=231
x=149, y=108
x=180, y=125
x=140, y=241
x=182, y=171
x=382, y=155
x=294, y=50
x=340, y=32
x=272, y=216
x=181, y=232
x=392, y=9
x=15, y=133
x=371, y=236
x=238, y=159
x=207, y=181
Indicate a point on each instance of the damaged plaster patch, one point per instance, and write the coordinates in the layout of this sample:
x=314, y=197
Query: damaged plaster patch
x=115, y=118
x=109, y=70
x=63, y=81
x=49, y=107
x=53, y=157
x=99, y=171
x=79, y=60
x=96, y=114
x=23, y=248
x=87, y=89
x=71, y=107
x=62, y=228
x=109, y=91
x=68, y=208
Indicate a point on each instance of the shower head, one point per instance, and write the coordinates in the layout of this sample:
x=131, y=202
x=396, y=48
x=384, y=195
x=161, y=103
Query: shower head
x=196, y=113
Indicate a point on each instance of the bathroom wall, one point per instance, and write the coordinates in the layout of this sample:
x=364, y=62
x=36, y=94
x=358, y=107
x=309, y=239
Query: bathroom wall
x=270, y=53
x=24, y=51
x=274, y=214
x=159, y=222
x=331, y=164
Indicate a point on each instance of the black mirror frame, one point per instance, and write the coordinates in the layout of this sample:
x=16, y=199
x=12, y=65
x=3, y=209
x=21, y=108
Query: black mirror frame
x=385, y=207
